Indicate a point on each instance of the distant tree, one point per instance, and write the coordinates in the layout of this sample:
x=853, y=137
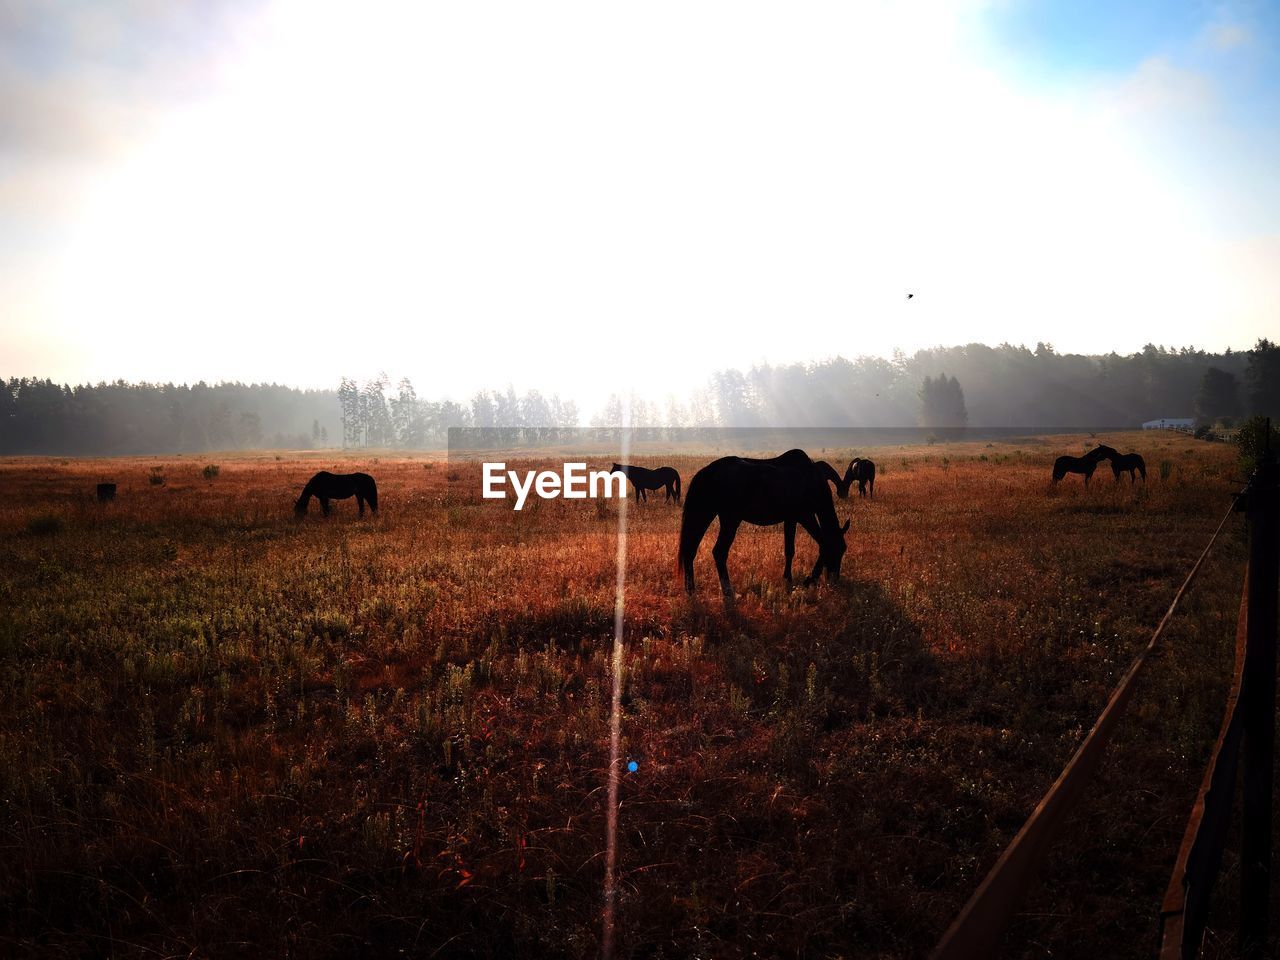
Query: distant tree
x=349, y=400
x=315, y=431
x=1218, y=397
x=378, y=429
x=733, y=398
x=250, y=429
x=942, y=403
x=219, y=428
x=611, y=414
x=484, y=410
x=406, y=416
x=1262, y=379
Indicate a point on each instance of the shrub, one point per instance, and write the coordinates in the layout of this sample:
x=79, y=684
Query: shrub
x=157, y=477
x=1252, y=441
x=210, y=471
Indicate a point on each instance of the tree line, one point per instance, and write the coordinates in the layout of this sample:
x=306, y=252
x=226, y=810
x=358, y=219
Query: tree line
x=974, y=385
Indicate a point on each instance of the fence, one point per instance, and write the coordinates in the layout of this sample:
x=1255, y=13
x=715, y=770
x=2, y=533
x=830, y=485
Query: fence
x=1247, y=738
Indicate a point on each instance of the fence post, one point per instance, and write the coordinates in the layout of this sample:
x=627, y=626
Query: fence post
x=1258, y=700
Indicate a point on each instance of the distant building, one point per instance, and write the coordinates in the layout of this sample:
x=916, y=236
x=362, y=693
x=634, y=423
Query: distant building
x=1170, y=423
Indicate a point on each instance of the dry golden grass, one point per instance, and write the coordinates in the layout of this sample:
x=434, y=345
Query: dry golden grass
x=225, y=731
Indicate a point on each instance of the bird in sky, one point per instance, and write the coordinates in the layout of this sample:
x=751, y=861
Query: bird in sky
x=910, y=295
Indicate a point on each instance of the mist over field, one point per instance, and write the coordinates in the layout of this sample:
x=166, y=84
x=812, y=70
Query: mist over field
x=973, y=385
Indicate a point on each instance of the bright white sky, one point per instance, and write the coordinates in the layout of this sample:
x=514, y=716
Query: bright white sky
x=575, y=196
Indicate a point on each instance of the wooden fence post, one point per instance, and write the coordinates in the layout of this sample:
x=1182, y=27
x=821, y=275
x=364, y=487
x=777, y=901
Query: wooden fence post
x=1258, y=701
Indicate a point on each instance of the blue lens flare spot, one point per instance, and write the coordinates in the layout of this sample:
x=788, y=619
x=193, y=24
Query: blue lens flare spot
x=632, y=767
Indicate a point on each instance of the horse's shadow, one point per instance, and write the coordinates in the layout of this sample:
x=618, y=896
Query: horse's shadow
x=854, y=655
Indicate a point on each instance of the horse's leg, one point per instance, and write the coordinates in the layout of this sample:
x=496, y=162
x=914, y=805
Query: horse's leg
x=360, y=504
x=324, y=505
x=697, y=529
x=788, y=548
x=810, y=524
x=728, y=530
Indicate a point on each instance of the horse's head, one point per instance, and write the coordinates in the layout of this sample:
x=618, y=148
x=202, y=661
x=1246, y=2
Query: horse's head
x=832, y=550
x=615, y=468
x=1103, y=452
x=842, y=487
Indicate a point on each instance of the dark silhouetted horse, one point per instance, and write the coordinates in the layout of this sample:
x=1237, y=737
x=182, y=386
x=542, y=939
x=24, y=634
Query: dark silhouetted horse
x=326, y=486
x=1086, y=464
x=642, y=478
x=789, y=489
x=828, y=473
x=864, y=472
x=1130, y=463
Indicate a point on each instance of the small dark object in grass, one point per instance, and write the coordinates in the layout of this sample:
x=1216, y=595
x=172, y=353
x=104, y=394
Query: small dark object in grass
x=210, y=471
x=45, y=525
x=106, y=491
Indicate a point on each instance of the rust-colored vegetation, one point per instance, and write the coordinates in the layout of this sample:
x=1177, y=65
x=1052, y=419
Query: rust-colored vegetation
x=224, y=731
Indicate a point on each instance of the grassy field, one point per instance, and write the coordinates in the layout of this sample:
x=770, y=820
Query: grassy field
x=224, y=731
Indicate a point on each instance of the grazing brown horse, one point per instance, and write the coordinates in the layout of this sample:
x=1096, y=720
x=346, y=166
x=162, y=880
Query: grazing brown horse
x=786, y=489
x=1086, y=464
x=1129, y=463
x=828, y=472
x=326, y=486
x=864, y=472
x=642, y=478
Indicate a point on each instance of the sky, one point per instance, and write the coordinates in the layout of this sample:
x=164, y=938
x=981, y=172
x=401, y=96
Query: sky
x=587, y=196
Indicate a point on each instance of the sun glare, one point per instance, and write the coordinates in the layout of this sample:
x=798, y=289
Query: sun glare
x=375, y=191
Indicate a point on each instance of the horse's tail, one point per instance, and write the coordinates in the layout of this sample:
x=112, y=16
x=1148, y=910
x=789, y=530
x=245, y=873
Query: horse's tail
x=372, y=495
x=677, y=473
x=1142, y=467
x=300, y=508
x=694, y=520
x=871, y=481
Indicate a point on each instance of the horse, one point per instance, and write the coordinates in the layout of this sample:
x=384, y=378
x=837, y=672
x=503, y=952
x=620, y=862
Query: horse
x=788, y=489
x=1130, y=462
x=864, y=472
x=642, y=478
x=326, y=486
x=1086, y=464
x=828, y=472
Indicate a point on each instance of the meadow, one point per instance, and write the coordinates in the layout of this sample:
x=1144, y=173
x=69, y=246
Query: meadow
x=226, y=731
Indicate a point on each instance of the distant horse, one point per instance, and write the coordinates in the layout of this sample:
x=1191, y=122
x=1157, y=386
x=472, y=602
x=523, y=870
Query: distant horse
x=864, y=472
x=828, y=472
x=1131, y=463
x=1086, y=464
x=642, y=478
x=326, y=486
x=788, y=489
